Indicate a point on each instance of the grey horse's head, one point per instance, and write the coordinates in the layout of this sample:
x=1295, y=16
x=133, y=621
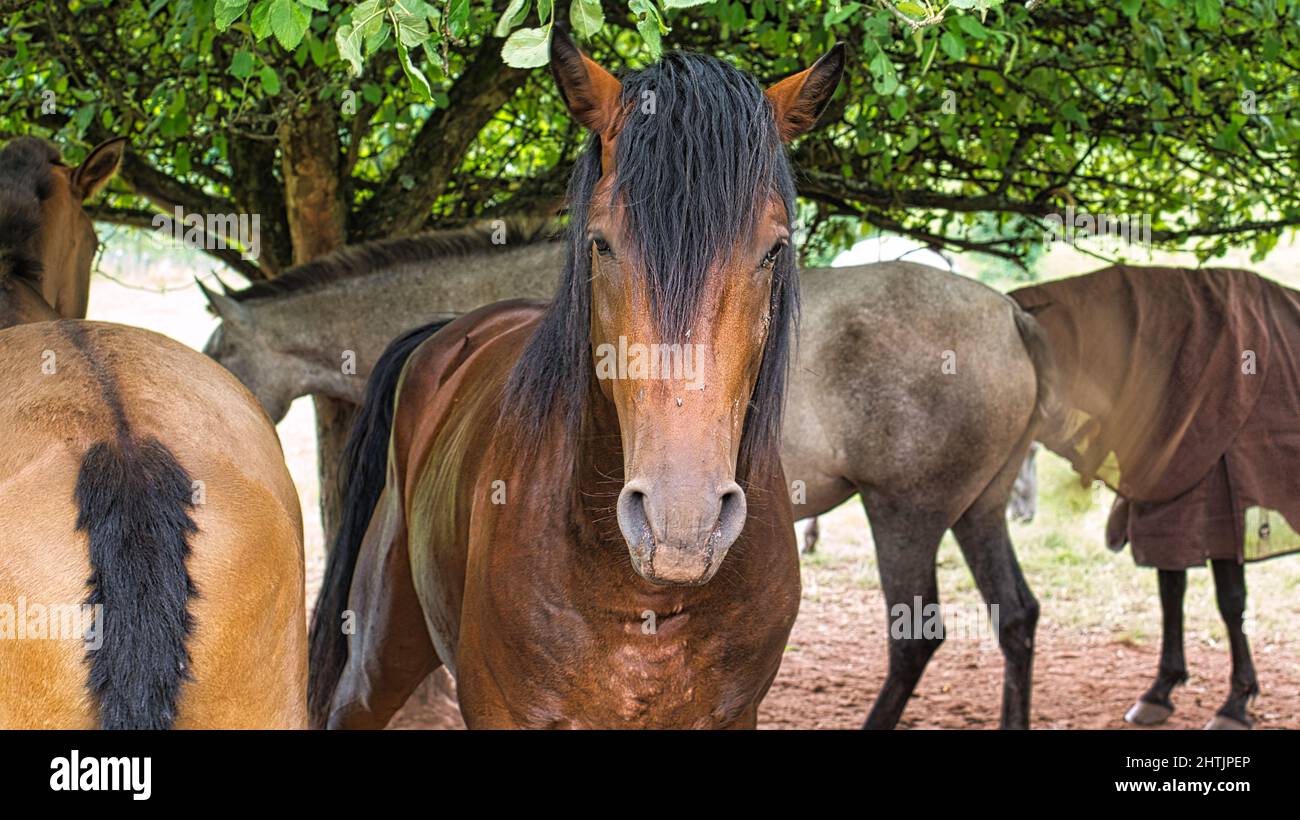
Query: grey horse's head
x=246, y=348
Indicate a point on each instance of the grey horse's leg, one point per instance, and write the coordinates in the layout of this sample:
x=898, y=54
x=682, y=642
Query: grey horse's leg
x=1024, y=492
x=906, y=544
x=987, y=548
x=811, y=533
x=1230, y=589
x=1157, y=704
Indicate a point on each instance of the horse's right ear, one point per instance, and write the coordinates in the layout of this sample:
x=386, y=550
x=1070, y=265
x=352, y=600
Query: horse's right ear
x=226, y=308
x=591, y=93
x=100, y=166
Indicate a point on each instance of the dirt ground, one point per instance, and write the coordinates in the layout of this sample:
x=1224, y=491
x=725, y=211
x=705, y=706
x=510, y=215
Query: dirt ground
x=834, y=666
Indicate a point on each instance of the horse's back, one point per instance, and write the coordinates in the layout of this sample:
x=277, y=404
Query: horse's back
x=908, y=378
x=72, y=387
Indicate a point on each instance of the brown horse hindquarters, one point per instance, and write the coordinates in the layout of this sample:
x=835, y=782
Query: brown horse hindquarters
x=73, y=387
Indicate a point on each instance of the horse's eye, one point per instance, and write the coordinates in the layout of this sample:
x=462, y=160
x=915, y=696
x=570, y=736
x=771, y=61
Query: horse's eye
x=602, y=247
x=769, y=261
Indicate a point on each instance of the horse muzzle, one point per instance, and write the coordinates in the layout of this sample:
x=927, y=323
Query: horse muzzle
x=677, y=536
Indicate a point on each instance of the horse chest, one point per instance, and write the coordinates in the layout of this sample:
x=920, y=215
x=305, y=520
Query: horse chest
x=672, y=674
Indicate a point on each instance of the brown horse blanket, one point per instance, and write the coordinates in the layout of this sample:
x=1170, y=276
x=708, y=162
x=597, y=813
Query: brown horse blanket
x=1180, y=389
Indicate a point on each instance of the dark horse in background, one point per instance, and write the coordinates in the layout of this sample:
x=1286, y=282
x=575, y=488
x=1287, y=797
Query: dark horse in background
x=1180, y=390
x=501, y=475
x=145, y=507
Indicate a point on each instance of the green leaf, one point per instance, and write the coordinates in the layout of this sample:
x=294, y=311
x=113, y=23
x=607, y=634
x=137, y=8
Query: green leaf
x=1208, y=12
x=836, y=16
x=348, y=42
x=241, y=65
x=953, y=45
x=587, y=16
x=270, y=80
x=289, y=22
x=181, y=159
x=651, y=25
x=413, y=74
x=511, y=17
x=458, y=18
x=228, y=11
x=528, y=48
x=82, y=118
x=649, y=28
x=684, y=4
x=319, y=5
x=411, y=30
x=260, y=19
x=973, y=27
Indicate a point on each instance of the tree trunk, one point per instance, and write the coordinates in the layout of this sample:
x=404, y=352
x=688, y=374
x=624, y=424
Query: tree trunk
x=333, y=421
x=311, y=161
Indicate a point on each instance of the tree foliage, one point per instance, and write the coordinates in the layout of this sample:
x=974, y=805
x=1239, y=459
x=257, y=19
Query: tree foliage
x=961, y=124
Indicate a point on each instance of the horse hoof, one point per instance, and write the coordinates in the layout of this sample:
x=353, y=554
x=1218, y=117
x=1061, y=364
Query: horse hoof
x=1225, y=722
x=1145, y=713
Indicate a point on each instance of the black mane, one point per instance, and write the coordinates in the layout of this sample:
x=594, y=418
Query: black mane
x=693, y=167
x=26, y=180
x=360, y=260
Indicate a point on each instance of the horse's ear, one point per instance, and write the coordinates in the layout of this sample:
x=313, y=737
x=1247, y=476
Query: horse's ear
x=93, y=174
x=798, y=100
x=226, y=308
x=591, y=93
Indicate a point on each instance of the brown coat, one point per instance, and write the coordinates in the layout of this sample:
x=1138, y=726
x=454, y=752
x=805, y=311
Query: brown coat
x=1180, y=390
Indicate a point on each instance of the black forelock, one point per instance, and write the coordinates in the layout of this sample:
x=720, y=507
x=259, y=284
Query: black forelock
x=26, y=180
x=697, y=155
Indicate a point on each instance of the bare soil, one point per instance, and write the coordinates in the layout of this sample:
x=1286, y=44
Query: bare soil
x=836, y=662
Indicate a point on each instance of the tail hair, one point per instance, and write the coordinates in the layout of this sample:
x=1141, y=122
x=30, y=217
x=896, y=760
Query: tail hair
x=1045, y=372
x=362, y=475
x=134, y=502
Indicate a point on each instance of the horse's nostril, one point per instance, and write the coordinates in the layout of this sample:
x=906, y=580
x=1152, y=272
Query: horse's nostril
x=632, y=519
x=731, y=517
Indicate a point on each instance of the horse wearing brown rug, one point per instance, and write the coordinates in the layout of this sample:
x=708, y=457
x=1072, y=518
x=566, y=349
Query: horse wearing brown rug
x=151, y=568
x=1180, y=391
x=506, y=467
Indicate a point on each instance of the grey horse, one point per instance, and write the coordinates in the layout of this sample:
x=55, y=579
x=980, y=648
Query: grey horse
x=915, y=388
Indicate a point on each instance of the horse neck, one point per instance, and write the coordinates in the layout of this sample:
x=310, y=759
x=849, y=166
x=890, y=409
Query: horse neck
x=396, y=298
x=20, y=304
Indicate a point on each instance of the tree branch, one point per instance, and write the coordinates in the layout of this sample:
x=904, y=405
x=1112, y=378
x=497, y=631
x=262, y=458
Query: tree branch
x=410, y=190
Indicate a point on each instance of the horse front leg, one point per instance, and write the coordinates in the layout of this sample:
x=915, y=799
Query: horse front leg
x=1230, y=590
x=1156, y=705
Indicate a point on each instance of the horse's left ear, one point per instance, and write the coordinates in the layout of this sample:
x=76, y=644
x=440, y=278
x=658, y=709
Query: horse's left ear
x=104, y=160
x=800, y=99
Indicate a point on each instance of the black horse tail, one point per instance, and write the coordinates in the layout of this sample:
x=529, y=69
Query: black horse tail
x=1040, y=354
x=362, y=472
x=134, y=502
